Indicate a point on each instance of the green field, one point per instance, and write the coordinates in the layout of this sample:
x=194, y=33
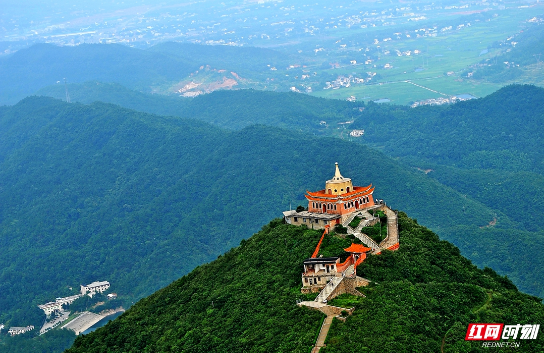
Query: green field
x=453, y=53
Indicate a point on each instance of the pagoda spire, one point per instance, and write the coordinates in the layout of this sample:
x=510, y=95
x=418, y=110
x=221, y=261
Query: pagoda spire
x=337, y=175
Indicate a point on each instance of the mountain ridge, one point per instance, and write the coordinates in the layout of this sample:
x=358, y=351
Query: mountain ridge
x=198, y=313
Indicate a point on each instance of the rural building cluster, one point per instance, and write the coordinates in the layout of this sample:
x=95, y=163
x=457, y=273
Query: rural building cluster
x=55, y=312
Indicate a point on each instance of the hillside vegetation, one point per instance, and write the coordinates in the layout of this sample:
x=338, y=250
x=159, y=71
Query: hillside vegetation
x=227, y=109
x=99, y=192
x=155, y=70
x=423, y=294
x=486, y=149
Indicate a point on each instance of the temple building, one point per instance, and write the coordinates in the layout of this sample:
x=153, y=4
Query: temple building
x=332, y=205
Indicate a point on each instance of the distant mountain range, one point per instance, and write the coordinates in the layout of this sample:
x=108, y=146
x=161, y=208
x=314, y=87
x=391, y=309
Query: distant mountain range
x=160, y=69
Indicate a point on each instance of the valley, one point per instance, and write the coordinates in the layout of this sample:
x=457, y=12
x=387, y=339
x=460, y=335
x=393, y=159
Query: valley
x=405, y=53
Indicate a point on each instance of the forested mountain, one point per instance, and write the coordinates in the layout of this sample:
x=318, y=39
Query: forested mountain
x=500, y=131
x=99, y=192
x=477, y=148
x=44, y=64
x=228, y=109
x=152, y=70
x=422, y=299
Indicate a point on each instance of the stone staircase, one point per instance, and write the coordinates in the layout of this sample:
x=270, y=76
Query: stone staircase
x=329, y=288
x=368, y=241
x=323, y=333
x=364, y=223
x=350, y=271
x=349, y=219
x=392, y=229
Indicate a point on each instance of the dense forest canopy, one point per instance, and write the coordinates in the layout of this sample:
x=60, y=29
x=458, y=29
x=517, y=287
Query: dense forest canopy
x=99, y=192
x=140, y=199
x=422, y=299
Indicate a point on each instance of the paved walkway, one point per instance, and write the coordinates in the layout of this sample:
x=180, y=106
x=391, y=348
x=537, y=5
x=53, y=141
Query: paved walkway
x=323, y=333
x=313, y=304
x=392, y=229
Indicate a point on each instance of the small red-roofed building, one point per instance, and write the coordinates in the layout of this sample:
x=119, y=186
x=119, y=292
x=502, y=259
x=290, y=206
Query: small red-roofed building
x=358, y=253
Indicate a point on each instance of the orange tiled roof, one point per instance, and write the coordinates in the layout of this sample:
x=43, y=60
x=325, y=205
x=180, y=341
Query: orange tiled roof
x=393, y=247
x=357, y=190
x=357, y=248
x=319, y=196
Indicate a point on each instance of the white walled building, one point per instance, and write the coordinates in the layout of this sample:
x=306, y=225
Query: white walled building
x=19, y=330
x=51, y=307
x=93, y=288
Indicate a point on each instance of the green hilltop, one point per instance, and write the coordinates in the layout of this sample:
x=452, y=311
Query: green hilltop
x=99, y=192
x=422, y=298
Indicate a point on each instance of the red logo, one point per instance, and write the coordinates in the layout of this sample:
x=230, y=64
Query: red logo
x=484, y=332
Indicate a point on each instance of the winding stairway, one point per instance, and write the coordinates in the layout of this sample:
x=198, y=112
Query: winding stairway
x=329, y=288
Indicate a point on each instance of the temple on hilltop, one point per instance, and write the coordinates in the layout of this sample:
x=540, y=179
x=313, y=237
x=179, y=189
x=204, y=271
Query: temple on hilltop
x=332, y=205
x=355, y=209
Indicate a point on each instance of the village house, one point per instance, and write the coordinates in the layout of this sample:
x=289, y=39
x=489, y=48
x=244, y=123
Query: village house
x=318, y=271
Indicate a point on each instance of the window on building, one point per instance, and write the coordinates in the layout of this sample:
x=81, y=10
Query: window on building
x=295, y=219
x=304, y=220
x=335, y=207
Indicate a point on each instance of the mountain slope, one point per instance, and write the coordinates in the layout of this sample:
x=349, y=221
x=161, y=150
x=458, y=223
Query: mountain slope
x=99, y=192
x=226, y=57
x=165, y=68
x=44, y=64
x=228, y=109
x=245, y=301
x=446, y=142
x=500, y=131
